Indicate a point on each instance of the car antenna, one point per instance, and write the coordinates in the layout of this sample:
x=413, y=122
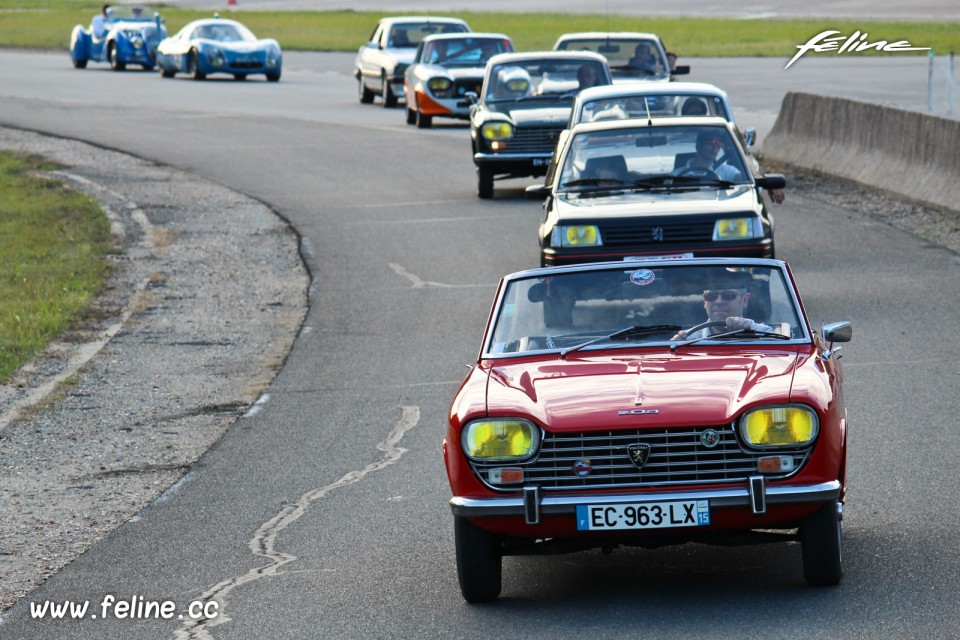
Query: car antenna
x=646, y=105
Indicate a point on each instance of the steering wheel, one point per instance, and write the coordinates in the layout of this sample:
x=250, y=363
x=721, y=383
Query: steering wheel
x=704, y=325
x=700, y=173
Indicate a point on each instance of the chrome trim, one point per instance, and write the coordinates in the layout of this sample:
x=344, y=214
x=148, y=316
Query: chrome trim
x=758, y=495
x=719, y=498
x=531, y=504
x=511, y=156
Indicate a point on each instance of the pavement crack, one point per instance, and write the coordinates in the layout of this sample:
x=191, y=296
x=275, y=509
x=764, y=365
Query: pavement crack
x=263, y=543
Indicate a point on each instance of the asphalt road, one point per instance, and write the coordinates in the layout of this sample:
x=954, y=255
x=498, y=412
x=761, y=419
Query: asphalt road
x=325, y=513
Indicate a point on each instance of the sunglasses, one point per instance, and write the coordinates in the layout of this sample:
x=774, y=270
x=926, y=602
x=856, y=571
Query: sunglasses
x=711, y=296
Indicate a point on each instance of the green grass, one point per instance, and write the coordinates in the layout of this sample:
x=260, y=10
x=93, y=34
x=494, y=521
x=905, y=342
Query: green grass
x=52, y=247
x=46, y=24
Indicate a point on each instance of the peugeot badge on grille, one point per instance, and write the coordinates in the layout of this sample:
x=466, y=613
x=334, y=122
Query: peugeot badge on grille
x=638, y=453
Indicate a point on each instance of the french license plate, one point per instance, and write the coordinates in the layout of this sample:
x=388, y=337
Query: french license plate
x=672, y=256
x=643, y=515
x=541, y=162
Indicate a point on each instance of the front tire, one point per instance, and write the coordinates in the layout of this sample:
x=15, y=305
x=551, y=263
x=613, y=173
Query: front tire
x=389, y=100
x=366, y=96
x=79, y=64
x=193, y=66
x=424, y=122
x=115, y=63
x=411, y=116
x=821, y=542
x=273, y=77
x=479, y=562
x=484, y=183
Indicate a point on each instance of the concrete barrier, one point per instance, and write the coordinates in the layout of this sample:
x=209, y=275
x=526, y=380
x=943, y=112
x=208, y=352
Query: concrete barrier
x=906, y=152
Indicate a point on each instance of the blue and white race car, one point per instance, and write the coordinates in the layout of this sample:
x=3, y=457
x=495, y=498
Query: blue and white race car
x=215, y=45
x=128, y=37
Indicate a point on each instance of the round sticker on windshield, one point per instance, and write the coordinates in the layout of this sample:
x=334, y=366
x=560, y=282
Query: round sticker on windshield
x=642, y=277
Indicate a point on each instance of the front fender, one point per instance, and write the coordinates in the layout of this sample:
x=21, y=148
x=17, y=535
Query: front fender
x=79, y=44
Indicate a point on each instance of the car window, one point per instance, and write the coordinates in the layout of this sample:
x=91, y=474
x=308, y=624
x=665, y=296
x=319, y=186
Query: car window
x=531, y=78
x=407, y=35
x=660, y=155
x=565, y=310
x=640, y=105
x=628, y=57
x=464, y=52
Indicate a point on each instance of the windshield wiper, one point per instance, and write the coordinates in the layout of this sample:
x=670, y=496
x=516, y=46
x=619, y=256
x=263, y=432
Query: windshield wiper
x=758, y=333
x=629, y=332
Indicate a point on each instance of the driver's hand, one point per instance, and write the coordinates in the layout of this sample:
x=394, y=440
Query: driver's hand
x=680, y=335
x=776, y=195
x=736, y=322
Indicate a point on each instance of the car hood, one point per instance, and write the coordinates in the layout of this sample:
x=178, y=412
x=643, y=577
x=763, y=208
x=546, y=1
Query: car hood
x=457, y=73
x=654, y=390
x=630, y=204
x=403, y=55
x=238, y=47
x=532, y=114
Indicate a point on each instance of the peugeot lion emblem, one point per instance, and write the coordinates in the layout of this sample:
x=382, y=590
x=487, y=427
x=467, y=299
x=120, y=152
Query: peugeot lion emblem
x=639, y=453
x=657, y=233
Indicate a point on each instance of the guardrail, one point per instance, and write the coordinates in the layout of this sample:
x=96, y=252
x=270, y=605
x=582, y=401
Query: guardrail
x=943, y=90
x=906, y=152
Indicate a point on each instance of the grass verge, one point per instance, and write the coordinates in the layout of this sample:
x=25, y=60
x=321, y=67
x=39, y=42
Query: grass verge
x=46, y=24
x=52, y=246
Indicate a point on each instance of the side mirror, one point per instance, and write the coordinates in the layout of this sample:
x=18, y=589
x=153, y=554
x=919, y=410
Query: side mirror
x=471, y=97
x=750, y=136
x=838, y=332
x=772, y=181
x=537, y=191
x=680, y=70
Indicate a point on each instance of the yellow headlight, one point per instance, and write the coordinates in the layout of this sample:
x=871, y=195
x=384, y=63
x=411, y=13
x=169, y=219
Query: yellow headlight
x=497, y=130
x=586, y=235
x=733, y=229
x=439, y=84
x=779, y=426
x=500, y=439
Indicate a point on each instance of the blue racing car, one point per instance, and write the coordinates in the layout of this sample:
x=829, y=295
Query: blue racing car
x=215, y=45
x=126, y=37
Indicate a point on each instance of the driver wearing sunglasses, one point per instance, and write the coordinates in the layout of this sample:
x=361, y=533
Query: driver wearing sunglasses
x=726, y=304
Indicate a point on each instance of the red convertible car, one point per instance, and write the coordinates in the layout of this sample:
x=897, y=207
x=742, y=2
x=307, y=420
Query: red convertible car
x=648, y=403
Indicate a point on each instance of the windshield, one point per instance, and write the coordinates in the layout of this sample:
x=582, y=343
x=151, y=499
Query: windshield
x=633, y=58
x=407, y=35
x=635, y=305
x=551, y=79
x=223, y=32
x=638, y=105
x=653, y=157
x=465, y=52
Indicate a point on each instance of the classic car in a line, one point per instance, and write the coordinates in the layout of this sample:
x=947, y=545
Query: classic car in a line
x=648, y=403
x=380, y=64
x=633, y=57
x=217, y=45
x=445, y=68
x=524, y=105
x=659, y=187
x=129, y=37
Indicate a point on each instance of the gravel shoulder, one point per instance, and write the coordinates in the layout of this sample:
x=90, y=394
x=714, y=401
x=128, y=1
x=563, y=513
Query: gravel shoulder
x=200, y=312
x=204, y=301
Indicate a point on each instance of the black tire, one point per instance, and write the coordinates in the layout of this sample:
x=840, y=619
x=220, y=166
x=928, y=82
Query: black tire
x=166, y=73
x=79, y=64
x=239, y=76
x=147, y=67
x=389, y=100
x=484, y=183
x=273, y=77
x=193, y=66
x=425, y=122
x=366, y=96
x=411, y=116
x=113, y=58
x=821, y=542
x=479, y=562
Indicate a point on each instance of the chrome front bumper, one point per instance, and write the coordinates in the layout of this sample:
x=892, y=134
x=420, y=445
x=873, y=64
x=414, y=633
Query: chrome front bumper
x=755, y=496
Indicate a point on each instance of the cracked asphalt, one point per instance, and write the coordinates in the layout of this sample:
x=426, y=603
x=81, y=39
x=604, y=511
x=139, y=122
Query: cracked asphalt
x=201, y=309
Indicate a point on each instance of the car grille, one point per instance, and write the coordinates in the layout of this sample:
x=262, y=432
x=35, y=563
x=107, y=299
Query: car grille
x=248, y=64
x=643, y=234
x=677, y=457
x=534, y=139
x=461, y=87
